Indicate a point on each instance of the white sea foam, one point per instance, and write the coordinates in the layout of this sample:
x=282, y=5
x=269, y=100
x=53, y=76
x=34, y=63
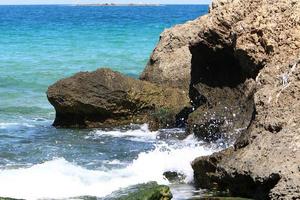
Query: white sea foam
x=140, y=134
x=4, y=125
x=115, y=162
x=61, y=179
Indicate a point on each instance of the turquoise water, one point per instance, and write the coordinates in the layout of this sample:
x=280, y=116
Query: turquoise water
x=42, y=44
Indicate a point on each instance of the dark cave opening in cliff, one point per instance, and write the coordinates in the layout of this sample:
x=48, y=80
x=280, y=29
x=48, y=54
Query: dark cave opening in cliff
x=224, y=70
x=215, y=67
x=219, y=67
x=218, y=82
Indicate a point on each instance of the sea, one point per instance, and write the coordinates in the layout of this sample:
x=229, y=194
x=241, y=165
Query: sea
x=41, y=44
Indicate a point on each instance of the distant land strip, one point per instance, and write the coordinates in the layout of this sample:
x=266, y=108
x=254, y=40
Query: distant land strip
x=117, y=4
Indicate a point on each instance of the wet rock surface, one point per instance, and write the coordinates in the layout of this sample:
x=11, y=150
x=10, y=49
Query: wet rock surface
x=222, y=198
x=237, y=42
x=263, y=165
x=240, y=183
x=174, y=177
x=147, y=191
x=105, y=98
x=225, y=113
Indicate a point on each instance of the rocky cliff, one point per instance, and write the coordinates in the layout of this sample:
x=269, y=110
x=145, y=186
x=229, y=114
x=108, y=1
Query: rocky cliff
x=251, y=46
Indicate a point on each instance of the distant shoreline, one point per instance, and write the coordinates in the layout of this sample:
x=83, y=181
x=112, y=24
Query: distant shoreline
x=117, y=4
x=103, y=5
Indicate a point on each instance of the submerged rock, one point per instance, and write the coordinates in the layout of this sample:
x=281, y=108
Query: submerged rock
x=147, y=191
x=105, y=98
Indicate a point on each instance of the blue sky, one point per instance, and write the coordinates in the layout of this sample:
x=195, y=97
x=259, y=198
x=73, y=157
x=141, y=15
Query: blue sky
x=10, y=2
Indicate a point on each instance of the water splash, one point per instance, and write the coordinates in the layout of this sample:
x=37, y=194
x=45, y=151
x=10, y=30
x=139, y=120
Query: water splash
x=62, y=179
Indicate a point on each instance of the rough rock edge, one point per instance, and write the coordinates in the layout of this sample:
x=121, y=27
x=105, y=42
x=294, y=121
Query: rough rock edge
x=105, y=98
x=265, y=161
x=265, y=39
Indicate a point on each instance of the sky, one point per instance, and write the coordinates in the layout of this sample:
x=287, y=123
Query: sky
x=12, y=2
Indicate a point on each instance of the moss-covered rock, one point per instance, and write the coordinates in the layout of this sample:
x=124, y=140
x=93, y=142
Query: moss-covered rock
x=148, y=191
x=222, y=198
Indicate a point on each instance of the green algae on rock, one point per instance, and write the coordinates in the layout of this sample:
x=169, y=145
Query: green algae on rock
x=147, y=191
x=105, y=98
x=222, y=198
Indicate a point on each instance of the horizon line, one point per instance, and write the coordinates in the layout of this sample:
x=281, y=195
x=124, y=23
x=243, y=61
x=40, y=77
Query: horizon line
x=124, y=4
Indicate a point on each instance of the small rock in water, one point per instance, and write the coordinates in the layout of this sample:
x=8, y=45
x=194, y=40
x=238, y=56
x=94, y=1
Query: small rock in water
x=222, y=198
x=177, y=133
x=147, y=191
x=174, y=177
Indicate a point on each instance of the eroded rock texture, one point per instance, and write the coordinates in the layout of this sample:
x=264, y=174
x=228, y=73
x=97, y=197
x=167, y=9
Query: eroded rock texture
x=105, y=98
x=225, y=114
x=251, y=44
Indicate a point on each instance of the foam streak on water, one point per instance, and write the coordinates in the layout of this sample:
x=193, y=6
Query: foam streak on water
x=136, y=134
x=14, y=125
x=62, y=179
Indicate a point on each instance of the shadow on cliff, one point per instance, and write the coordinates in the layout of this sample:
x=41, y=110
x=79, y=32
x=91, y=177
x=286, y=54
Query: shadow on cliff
x=220, y=77
x=221, y=88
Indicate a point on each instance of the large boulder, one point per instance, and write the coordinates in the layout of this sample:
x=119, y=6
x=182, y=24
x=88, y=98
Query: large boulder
x=105, y=98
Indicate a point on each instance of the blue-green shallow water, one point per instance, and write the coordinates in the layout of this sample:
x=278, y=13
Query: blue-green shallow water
x=42, y=44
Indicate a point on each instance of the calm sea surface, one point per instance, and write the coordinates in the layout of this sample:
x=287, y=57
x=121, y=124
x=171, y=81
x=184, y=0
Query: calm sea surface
x=42, y=44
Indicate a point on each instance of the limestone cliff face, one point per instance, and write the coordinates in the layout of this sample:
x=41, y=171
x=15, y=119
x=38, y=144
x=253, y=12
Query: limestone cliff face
x=241, y=42
x=247, y=31
x=171, y=61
